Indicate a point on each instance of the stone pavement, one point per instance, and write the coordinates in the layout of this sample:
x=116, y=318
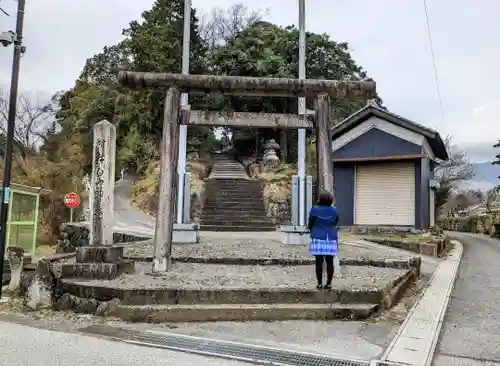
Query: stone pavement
x=471, y=331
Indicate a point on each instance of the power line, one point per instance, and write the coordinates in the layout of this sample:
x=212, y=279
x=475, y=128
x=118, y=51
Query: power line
x=3, y=11
x=429, y=33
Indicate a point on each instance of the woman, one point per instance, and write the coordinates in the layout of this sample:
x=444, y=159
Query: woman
x=323, y=219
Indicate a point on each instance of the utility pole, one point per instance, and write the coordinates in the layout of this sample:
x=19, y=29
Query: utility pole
x=181, y=160
x=301, y=148
x=11, y=124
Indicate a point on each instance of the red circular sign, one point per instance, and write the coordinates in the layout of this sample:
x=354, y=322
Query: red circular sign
x=72, y=200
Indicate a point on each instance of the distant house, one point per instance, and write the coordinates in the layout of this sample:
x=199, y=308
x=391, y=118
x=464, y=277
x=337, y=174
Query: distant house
x=384, y=170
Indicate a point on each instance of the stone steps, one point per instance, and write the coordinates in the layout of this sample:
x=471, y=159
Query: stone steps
x=233, y=200
x=221, y=292
x=171, y=295
x=252, y=216
x=247, y=185
x=229, y=197
x=103, y=263
x=102, y=271
x=234, y=206
x=226, y=167
x=257, y=224
x=242, y=312
x=243, y=215
x=244, y=228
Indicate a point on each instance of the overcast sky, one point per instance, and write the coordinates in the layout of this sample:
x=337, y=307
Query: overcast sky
x=388, y=38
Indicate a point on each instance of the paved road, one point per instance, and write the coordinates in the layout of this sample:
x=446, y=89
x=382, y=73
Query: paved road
x=22, y=345
x=128, y=219
x=471, y=332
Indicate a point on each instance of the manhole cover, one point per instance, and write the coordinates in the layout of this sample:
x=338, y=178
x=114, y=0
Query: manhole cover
x=216, y=348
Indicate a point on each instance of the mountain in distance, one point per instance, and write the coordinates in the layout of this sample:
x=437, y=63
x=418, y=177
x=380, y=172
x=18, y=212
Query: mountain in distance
x=486, y=177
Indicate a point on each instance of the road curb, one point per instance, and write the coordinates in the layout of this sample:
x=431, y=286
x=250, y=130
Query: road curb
x=416, y=340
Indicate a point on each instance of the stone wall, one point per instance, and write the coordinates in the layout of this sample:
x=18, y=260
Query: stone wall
x=74, y=235
x=382, y=230
x=434, y=247
x=278, y=210
x=486, y=224
x=277, y=184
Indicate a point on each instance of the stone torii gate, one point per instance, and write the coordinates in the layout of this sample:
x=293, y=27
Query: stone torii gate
x=174, y=84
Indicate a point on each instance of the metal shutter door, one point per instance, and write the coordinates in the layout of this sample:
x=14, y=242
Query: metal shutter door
x=385, y=194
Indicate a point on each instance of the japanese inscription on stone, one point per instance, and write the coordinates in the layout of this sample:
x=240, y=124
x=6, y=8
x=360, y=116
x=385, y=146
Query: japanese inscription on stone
x=102, y=184
x=98, y=192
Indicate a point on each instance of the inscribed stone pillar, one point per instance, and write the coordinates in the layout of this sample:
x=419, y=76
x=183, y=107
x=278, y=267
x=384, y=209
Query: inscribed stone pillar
x=324, y=144
x=102, y=183
x=168, y=183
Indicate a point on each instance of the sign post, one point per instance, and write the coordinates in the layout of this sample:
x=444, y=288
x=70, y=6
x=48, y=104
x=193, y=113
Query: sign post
x=71, y=200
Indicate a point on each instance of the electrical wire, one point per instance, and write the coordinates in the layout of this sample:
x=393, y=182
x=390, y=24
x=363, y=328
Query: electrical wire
x=3, y=11
x=429, y=33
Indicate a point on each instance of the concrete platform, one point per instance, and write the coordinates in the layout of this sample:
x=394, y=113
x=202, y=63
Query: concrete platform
x=269, y=292
x=294, y=235
x=186, y=233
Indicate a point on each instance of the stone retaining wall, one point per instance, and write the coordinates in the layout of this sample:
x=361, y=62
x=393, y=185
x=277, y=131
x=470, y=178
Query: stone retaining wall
x=278, y=211
x=75, y=235
x=434, y=247
x=382, y=230
x=486, y=224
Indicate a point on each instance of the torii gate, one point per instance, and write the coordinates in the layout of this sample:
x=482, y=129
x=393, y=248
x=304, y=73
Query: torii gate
x=322, y=90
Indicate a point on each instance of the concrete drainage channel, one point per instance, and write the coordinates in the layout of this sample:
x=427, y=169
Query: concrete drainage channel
x=215, y=348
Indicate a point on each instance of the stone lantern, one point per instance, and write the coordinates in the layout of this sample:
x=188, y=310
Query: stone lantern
x=271, y=158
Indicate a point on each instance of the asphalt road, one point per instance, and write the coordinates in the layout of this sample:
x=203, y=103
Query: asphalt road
x=22, y=345
x=471, y=331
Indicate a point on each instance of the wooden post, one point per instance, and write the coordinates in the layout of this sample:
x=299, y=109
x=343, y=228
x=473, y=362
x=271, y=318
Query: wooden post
x=168, y=183
x=324, y=144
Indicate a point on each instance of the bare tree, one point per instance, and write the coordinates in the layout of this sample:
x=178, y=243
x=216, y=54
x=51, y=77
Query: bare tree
x=489, y=199
x=457, y=168
x=450, y=173
x=34, y=113
x=221, y=25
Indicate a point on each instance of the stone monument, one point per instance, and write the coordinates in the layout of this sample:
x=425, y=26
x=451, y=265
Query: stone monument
x=101, y=259
x=101, y=201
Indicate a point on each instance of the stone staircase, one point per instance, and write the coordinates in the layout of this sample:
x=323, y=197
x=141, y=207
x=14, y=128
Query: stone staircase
x=234, y=201
x=227, y=167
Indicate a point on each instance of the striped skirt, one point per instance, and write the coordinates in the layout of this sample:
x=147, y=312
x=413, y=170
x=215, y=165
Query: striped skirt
x=323, y=247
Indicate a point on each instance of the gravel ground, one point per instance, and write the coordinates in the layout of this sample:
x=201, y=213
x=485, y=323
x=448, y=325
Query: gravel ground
x=203, y=276
x=262, y=245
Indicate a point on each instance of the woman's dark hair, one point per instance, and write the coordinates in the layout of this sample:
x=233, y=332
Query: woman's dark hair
x=325, y=199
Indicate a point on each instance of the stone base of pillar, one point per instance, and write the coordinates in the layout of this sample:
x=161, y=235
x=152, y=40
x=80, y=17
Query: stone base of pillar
x=294, y=235
x=98, y=263
x=186, y=233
